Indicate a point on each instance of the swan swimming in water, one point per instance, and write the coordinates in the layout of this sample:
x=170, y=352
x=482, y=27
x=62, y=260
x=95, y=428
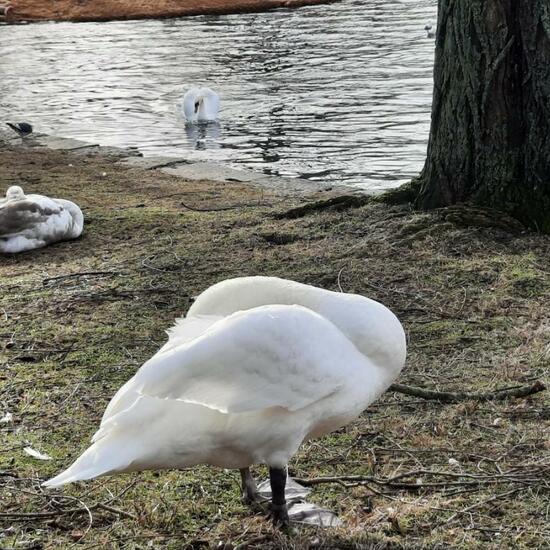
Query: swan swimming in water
x=258, y=365
x=34, y=221
x=201, y=105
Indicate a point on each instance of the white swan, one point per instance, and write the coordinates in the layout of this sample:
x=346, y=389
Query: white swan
x=33, y=221
x=201, y=105
x=258, y=365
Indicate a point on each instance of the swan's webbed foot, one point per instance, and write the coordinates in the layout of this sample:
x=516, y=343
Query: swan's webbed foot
x=249, y=494
x=297, y=511
x=279, y=515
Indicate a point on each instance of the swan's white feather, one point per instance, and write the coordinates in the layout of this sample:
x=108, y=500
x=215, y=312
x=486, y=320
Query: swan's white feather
x=184, y=330
x=208, y=105
x=371, y=326
x=279, y=356
x=246, y=377
x=33, y=221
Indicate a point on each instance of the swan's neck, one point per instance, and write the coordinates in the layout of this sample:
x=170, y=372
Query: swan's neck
x=201, y=113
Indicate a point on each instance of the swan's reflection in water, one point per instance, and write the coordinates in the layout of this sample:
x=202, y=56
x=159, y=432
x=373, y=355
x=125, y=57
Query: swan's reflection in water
x=203, y=135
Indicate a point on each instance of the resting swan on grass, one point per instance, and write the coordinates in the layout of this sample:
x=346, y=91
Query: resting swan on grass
x=34, y=221
x=201, y=105
x=258, y=365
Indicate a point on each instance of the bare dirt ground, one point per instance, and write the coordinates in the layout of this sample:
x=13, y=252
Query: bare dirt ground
x=78, y=318
x=105, y=10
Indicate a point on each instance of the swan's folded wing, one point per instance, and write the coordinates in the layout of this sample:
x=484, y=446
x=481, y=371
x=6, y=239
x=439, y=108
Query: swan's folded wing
x=184, y=330
x=271, y=356
x=18, y=216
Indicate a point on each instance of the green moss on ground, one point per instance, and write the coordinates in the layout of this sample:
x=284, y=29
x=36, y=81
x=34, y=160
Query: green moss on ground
x=78, y=319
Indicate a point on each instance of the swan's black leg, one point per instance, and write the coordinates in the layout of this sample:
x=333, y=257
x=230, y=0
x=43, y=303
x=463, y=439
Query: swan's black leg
x=249, y=493
x=279, y=511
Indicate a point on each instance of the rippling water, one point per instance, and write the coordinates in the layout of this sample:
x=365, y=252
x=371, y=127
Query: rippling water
x=339, y=92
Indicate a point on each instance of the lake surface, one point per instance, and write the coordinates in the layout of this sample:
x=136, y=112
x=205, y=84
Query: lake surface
x=339, y=93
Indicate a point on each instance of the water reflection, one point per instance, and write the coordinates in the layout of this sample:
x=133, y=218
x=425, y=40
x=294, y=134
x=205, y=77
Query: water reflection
x=203, y=135
x=338, y=92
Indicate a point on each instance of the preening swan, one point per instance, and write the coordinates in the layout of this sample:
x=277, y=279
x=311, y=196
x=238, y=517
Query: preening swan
x=258, y=365
x=33, y=221
x=201, y=105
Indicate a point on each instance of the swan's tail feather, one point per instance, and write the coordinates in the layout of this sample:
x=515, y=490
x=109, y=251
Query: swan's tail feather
x=69, y=476
x=102, y=458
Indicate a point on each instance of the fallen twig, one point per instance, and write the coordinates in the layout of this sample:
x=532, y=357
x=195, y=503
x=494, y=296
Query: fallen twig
x=399, y=481
x=79, y=274
x=66, y=512
x=451, y=397
x=31, y=515
x=115, y=510
x=478, y=504
x=338, y=279
x=223, y=208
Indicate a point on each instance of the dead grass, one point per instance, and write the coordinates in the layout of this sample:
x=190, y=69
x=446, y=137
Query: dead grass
x=78, y=318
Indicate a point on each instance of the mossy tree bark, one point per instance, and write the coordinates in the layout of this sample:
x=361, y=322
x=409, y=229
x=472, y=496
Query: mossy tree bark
x=490, y=132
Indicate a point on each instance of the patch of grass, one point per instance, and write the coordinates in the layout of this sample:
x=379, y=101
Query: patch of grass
x=79, y=318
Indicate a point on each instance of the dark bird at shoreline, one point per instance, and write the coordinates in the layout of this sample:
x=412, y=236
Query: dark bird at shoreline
x=22, y=128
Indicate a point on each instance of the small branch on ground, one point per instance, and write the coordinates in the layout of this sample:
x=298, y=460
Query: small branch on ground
x=224, y=208
x=499, y=496
x=197, y=209
x=21, y=516
x=451, y=397
x=79, y=274
x=530, y=475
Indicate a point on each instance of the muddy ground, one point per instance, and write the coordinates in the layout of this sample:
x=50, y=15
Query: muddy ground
x=106, y=10
x=78, y=318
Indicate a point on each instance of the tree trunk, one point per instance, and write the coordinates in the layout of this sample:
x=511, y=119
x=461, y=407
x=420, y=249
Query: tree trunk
x=490, y=133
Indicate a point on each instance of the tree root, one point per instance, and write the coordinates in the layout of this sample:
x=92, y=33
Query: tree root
x=468, y=216
x=403, y=194
x=334, y=204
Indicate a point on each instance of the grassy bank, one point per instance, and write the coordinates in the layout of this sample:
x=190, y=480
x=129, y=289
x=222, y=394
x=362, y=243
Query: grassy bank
x=78, y=318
